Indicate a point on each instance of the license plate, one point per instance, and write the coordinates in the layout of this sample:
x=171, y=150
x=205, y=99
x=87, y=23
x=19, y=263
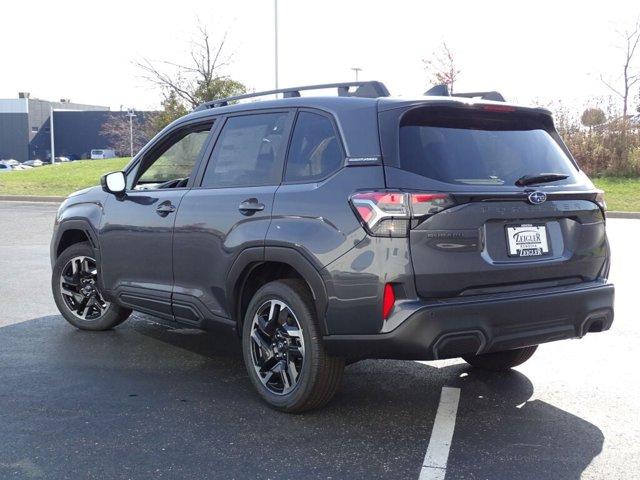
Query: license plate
x=527, y=240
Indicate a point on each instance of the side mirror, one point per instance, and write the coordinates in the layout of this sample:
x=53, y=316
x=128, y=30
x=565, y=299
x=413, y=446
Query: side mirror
x=114, y=182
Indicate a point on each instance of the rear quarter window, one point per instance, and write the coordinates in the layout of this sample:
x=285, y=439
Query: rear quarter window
x=469, y=147
x=315, y=150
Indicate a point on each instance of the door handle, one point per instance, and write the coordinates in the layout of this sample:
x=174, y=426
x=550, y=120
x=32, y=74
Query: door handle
x=250, y=206
x=165, y=209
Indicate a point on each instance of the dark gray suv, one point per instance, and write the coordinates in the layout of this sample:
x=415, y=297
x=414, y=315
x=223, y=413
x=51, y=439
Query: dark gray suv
x=326, y=230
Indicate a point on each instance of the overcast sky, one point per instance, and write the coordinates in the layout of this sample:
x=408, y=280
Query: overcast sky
x=84, y=50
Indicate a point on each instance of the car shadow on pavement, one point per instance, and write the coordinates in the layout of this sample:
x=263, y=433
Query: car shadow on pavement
x=148, y=400
x=500, y=434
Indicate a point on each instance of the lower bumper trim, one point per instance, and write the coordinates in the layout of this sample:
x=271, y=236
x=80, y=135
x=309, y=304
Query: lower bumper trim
x=489, y=325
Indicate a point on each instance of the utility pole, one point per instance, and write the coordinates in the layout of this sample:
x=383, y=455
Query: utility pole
x=131, y=113
x=356, y=69
x=53, y=147
x=275, y=14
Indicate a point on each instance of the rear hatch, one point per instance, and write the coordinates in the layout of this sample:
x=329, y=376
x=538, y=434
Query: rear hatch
x=492, y=235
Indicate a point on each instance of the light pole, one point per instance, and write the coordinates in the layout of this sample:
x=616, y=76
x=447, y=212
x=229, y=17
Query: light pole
x=275, y=16
x=356, y=69
x=53, y=147
x=131, y=113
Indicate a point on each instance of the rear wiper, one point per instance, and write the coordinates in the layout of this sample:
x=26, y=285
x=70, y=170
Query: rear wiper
x=540, y=178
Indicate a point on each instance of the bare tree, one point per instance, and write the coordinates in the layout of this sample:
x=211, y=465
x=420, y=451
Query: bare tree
x=116, y=131
x=199, y=80
x=629, y=44
x=441, y=67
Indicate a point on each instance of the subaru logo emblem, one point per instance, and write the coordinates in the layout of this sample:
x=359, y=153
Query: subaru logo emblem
x=536, y=198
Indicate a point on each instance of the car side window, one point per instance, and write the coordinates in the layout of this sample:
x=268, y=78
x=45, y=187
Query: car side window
x=315, y=150
x=248, y=152
x=172, y=165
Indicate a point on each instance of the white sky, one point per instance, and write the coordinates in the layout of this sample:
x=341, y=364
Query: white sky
x=83, y=50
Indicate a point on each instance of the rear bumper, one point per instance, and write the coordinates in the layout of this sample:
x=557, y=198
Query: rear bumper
x=486, y=323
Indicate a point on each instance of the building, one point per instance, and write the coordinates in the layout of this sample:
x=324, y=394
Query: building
x=25, y=128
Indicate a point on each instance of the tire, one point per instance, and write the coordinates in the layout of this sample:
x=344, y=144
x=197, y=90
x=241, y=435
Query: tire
x=498, y=361
x=313, y=381
x=100, y=315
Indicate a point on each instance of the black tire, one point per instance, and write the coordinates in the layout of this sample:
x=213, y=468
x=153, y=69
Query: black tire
x=110, y=317
x=319, y=375
x=498, y=361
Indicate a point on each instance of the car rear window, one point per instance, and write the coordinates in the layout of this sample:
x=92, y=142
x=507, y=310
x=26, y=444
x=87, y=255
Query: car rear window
x=471, y=147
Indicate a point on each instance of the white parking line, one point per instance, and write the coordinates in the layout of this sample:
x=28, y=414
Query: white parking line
x=434, y=466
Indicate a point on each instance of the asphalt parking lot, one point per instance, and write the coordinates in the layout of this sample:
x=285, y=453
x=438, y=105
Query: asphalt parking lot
x=152, y=400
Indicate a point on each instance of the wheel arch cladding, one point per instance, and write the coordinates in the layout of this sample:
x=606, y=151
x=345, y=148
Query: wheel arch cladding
x=71, y=232
x=70, y=237
x=253, y=269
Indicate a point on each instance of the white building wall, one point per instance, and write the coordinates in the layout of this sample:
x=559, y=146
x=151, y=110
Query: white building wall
x=14, y=105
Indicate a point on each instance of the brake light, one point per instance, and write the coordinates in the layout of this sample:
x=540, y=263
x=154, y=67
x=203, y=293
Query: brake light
x=388, y=300
x=498, y=108
x=392, y=214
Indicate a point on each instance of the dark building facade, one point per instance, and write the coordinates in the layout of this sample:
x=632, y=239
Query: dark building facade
x=25, y=125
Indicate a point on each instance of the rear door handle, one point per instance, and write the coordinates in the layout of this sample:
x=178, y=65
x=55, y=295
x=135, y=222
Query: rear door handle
x=165, y=209
x=250, y=206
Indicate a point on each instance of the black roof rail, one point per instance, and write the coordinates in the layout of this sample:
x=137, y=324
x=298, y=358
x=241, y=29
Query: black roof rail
x=370, y=89
x=443, y=91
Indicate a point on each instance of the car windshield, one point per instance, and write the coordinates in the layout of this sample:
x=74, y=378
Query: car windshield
x=480, y=148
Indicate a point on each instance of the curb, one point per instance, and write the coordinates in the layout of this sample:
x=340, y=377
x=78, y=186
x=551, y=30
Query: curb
x=30, y=198
x=623, y=215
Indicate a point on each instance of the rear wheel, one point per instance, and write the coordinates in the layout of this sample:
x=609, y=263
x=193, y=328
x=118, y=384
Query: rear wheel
x=283, y=351
x=501, y=360
x=75, y=290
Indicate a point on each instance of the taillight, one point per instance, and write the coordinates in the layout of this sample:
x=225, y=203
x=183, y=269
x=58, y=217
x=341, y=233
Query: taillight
x=429, y=203
x=388, y=300
x=392, y=214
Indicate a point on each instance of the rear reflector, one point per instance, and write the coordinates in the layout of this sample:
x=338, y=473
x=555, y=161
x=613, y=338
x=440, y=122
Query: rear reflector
x=391, y=214
x=388, y=300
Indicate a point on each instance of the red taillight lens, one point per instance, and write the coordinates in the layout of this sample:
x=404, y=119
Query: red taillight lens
x=498, y=108
x=429, y=203
x=388, y=300
x=391, y=214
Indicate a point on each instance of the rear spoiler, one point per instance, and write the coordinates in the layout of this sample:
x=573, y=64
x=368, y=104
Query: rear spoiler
x=443, y=91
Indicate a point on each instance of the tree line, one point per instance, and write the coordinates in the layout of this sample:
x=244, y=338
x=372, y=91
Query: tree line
x=604, y=137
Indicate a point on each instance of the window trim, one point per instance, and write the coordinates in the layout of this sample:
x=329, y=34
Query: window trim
x=132, y=170
x=336, y=132
x=208, y=158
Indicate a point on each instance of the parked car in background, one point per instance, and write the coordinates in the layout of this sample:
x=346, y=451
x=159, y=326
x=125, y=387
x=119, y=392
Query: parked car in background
x=101, y=153
x=5, y=168
x=33, y=163
x=47, y=161
x=22, y=167
x=11, y=162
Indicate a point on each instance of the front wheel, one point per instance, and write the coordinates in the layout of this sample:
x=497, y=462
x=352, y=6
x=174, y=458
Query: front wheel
x=283, y=351
x=504, y=360
x=76, y=292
